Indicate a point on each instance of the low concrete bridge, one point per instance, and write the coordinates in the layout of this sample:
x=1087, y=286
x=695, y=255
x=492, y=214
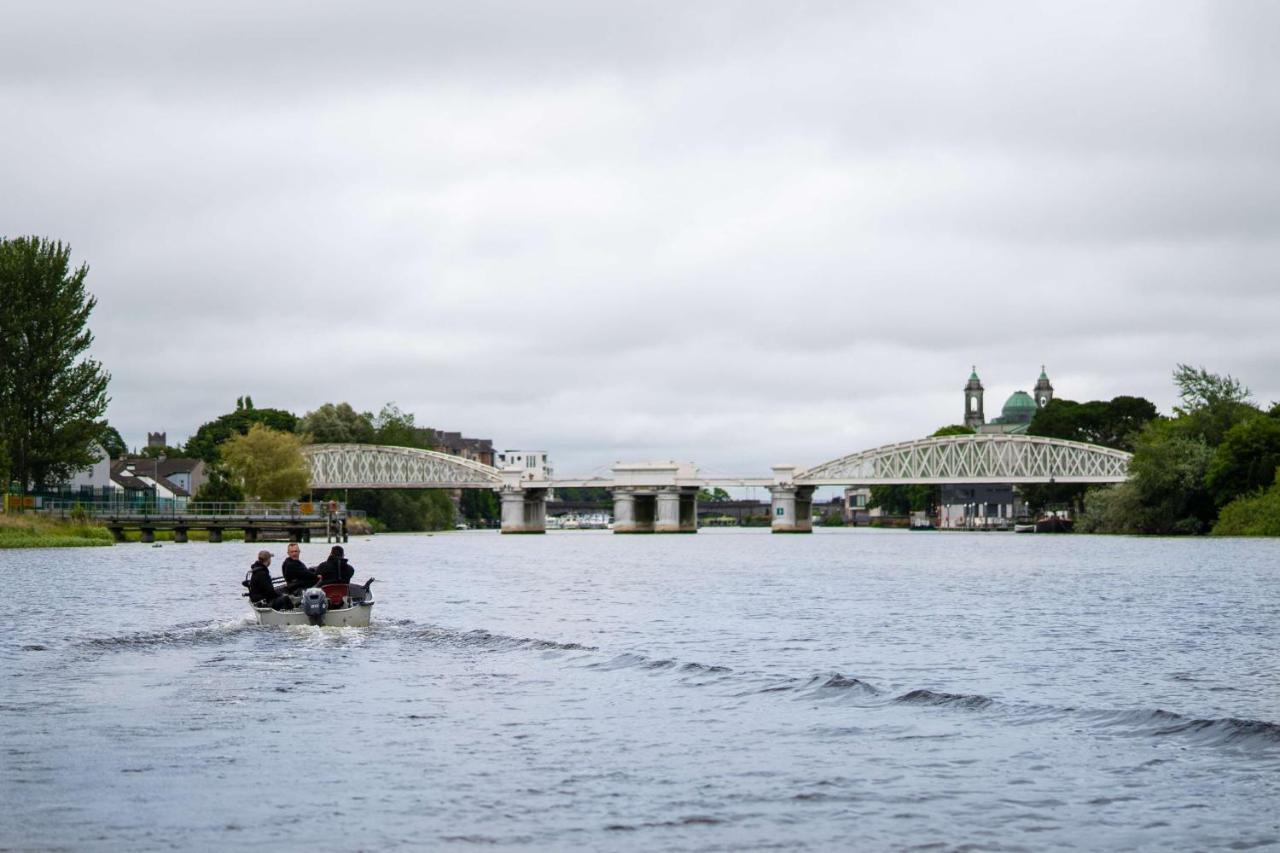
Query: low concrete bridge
x=295, y=519
x=660, y=497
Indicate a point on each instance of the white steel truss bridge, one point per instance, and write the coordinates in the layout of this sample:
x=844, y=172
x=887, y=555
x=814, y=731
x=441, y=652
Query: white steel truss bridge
x=371, y=466
x=964, y=459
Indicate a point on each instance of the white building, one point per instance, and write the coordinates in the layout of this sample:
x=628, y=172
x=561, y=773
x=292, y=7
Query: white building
x=96, y=476
x=535, y=464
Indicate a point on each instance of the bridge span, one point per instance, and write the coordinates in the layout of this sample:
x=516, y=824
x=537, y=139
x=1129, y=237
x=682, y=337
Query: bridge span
x=660, y=497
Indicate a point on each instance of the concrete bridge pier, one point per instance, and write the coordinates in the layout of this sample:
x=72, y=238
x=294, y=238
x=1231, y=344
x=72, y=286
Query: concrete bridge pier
x=524, y=510
x=677, y=511
x=792, y=505
x=634, y=512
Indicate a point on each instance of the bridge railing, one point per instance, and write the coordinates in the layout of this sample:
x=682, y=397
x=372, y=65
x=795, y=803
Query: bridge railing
x=202, y=510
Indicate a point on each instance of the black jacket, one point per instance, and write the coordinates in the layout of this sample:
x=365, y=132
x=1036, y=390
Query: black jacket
x=296, y=574
x=335, y=570
x=260, y=586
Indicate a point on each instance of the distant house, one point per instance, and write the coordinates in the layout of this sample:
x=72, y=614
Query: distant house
x=456, y=444
x=171, y=479
x=95, y=477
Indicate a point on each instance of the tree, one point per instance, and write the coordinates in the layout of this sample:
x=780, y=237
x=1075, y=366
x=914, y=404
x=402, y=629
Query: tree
x=716, y=494
x=1252, y=515
x=337, y=424
x=480, y=505
x=395, y=428
x=52, y=397
x=210, y=436
x=1211, y=404
x=1109, y=424
x=218, y=488
x=1246, y=460
x=267, y=463
x=1168, y=475
x=112, y=442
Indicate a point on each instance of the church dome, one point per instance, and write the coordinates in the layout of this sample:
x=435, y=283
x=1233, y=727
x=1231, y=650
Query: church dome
x=1019, y=408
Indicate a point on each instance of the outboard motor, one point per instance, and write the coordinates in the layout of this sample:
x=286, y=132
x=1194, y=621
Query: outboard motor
x=315, y=604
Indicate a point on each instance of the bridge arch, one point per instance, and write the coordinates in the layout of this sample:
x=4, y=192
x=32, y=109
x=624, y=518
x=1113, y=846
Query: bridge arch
x=981, y=458
x=375, y=466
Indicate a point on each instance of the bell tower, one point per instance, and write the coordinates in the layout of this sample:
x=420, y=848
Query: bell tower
x=973, y=417
x=1044, y=391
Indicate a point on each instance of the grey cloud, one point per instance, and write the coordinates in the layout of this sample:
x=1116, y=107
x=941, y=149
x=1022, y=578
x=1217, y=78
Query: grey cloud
x=736, y=232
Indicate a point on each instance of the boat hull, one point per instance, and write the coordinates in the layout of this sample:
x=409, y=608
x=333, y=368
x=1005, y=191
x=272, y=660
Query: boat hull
x=356, y=616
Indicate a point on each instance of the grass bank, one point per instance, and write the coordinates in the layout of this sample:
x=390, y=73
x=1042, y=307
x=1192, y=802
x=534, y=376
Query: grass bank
x=25, y=530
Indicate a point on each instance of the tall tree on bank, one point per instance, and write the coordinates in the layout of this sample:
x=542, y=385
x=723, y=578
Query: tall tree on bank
x=52, y=398
x=267, y=463
x=207, y=441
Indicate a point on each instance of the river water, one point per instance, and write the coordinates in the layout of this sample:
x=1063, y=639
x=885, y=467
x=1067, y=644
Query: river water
x=732, y=690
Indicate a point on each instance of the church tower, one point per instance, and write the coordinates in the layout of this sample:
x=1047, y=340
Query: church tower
x=1044, y=391
x=973, y=417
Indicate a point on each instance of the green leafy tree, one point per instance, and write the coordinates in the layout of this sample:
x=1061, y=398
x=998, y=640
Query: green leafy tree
x=337, y=424
x=267, y=463
x=1246, y=460
x=1211, y=404
x=210, y=436
x=1110, y=424
x=716, y=494
x=1168, y=472
x=1252, y=515
x=112, y=442
x=952, y=429
x=219, y=487
x=480, y=505
x=52, y=397
x=395, y=428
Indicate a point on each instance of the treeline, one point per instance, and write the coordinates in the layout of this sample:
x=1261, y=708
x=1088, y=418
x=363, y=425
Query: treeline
x=251, y=451
x=1210, y=467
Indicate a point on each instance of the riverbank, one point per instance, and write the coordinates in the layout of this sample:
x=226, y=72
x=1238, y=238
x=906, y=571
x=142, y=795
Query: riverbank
x=32, y=531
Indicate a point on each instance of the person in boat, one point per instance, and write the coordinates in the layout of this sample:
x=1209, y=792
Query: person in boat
x=297, y=576
x=262, y=592
x=336, y=569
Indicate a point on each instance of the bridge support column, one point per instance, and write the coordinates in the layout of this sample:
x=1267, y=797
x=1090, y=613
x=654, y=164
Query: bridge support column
x=792, y=505
x=215, y=534
x=524, y=510
x=677, y=511
x=179, y=534
x=250, y=534
x=668, y=520
x=148, y=534
x=633, y=512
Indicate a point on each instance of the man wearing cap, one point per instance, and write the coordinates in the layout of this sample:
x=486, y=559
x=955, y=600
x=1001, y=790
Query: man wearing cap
x=262, y=592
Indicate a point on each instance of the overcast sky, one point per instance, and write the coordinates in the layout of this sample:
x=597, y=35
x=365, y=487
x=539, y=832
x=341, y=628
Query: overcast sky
x=736, y=233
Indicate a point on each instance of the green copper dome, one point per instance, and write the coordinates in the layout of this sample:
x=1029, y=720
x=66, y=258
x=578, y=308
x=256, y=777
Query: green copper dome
x=1019, y=407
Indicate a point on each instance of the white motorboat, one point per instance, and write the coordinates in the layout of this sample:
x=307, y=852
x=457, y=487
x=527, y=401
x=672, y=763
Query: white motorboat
x=334, y=605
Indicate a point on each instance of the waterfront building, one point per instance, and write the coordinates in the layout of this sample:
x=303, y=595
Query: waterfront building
x=536, y=464
x=456, y=444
